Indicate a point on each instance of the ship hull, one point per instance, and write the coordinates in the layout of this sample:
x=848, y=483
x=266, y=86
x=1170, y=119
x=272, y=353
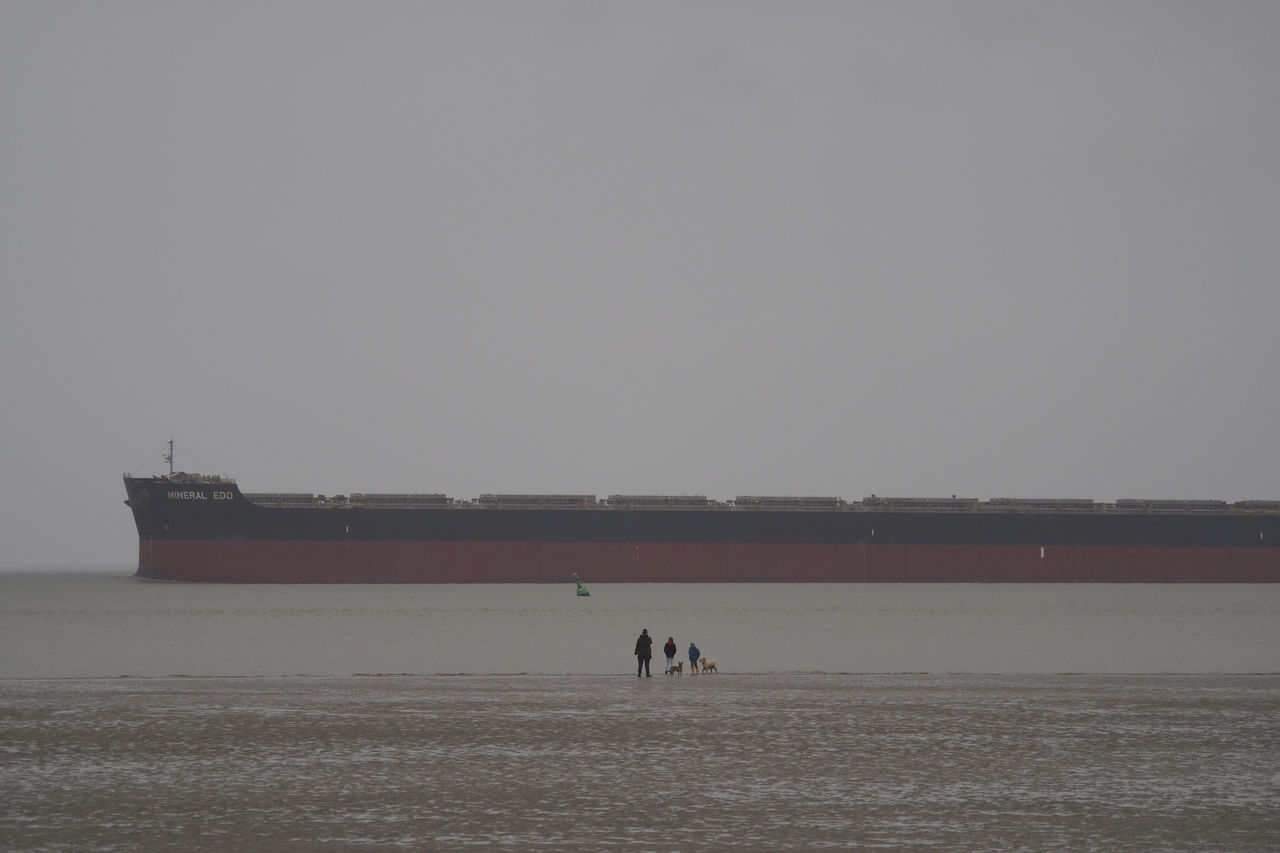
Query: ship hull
x=206, y=532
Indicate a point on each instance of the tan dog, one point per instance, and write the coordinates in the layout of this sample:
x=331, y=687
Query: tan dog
x=709, y=666
x=676, y=669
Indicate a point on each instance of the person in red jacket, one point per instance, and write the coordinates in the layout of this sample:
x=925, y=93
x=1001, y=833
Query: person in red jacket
x=670, y=650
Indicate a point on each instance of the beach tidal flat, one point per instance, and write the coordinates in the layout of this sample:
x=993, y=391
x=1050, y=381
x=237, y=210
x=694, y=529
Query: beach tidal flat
x=944, y=762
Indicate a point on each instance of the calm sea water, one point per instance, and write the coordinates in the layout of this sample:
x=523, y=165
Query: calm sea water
x=105, y=625
x=150, y=716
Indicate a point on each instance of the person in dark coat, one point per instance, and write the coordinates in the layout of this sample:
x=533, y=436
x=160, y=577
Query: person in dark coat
x=694, y=653
x=644, y=651
x=670, y=651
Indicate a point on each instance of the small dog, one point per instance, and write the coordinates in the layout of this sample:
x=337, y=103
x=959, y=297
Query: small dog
x=676, y=669
x=709, y=666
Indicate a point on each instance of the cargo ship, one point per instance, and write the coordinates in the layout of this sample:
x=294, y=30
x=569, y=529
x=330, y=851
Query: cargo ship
x=196, y=527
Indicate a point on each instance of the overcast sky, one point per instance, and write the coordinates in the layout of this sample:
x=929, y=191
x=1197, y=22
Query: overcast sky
x=831, y=248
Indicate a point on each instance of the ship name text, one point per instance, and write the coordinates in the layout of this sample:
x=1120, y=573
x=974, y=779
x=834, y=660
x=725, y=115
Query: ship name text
x=200, y=496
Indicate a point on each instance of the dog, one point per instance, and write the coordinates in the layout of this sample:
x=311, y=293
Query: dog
x=709, y=666
x=676, y=669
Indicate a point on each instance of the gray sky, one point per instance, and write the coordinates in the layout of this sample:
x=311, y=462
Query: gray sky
x=981, y=248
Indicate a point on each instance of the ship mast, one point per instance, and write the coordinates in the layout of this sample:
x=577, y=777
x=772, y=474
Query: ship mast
x=168, y=457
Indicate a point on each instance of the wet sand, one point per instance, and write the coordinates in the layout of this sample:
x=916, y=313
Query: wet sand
x=945, y=762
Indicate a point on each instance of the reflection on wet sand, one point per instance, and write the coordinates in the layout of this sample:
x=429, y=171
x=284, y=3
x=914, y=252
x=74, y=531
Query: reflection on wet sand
x=1039, y=762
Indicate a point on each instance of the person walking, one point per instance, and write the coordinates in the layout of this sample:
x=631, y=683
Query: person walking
x=670, y=651
x=694, y=654
x=644, y=651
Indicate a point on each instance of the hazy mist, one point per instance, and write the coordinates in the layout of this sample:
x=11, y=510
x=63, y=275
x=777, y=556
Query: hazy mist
x=816, y=248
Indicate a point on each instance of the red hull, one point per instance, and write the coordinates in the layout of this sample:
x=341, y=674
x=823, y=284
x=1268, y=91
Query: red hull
x=224, y=561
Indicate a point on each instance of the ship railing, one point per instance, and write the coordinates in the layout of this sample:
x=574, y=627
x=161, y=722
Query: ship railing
x=185, y=477
x=785, y=502
x=746, y=502
x=496, y=501
x=1271, y=507
x=657, y=501
x=1041, y=505
x=392, y=501
x=951, y=504
x=294, y=499
x=1172, y=507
